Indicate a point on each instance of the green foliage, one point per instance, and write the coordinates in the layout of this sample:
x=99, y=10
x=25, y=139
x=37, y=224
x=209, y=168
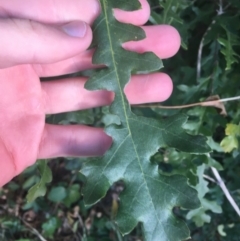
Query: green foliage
x=230, y=142
x=146, y=193
x=73, y=195
x=57, y=194
x=50, y=226
x=171, y=11
x=227, y=50
x=219, y=76
x=39, y=189
x=199, y=216
x=170, y=14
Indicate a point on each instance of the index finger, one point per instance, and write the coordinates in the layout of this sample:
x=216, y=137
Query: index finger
x=52, y=12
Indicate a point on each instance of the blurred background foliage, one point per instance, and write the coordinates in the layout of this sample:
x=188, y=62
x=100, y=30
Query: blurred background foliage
x=206, y=67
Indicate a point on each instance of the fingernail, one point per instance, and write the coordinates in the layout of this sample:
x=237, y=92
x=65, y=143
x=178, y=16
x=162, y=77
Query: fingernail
x=75, y=29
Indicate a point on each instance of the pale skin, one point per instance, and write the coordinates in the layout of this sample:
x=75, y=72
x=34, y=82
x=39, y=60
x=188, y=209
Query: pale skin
x=34, y=43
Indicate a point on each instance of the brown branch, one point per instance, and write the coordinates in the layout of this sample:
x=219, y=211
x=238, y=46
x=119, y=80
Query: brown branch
x=212, y=101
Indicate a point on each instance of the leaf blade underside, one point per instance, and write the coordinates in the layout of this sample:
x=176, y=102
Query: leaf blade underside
x=148, y=197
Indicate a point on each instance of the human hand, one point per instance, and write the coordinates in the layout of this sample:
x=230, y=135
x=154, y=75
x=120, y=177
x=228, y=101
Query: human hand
x=36, y=43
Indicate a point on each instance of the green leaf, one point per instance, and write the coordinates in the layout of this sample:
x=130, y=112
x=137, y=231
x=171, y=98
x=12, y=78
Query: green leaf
x=230, y=142
x=73, y=195
x=199, y=215
x=57, y=194
x=170, y=10
x=50, y=227
x=227, y=50
x=232, y=130
x=148, y=197
x=30, y=182
x=170, y=14
x=39, y=189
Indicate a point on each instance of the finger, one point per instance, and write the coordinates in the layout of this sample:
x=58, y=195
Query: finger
x=55, y=11
x=69, y=94
x=27, y=41
x=80, y=62
x=163, y=40
x=138, y=17
x=74, y=140
x=149, y=88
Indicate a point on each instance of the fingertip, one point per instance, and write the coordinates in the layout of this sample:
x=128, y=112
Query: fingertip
x=163, y=40
x=138, y=17
x=52, y=12
x=165, y=86
x=150, y=88
x=73, y=141
x=96, y=10
x=105, y=144
x=79, y=37
x=170, y=38
x=75, y=29
x=36, y=43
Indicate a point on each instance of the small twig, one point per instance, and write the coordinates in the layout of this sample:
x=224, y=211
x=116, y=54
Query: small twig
x=209, y=178
x=215, y=64
x=220, y=11
x=82, y=225
x=199, y=59
x=34, y=231
x=230, y=99
x=222, y=185
x=203, y=103
x=225, y=190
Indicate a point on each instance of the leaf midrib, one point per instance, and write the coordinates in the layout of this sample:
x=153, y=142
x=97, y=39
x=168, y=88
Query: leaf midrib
x=124, y=106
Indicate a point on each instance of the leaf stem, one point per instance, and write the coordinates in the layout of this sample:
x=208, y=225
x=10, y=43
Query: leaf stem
x=230, y=99
x=225, y=190
x=199, y=59
x=209, y=178
x=203, y=103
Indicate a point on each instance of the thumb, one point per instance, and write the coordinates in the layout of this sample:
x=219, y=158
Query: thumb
x=28, y=42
